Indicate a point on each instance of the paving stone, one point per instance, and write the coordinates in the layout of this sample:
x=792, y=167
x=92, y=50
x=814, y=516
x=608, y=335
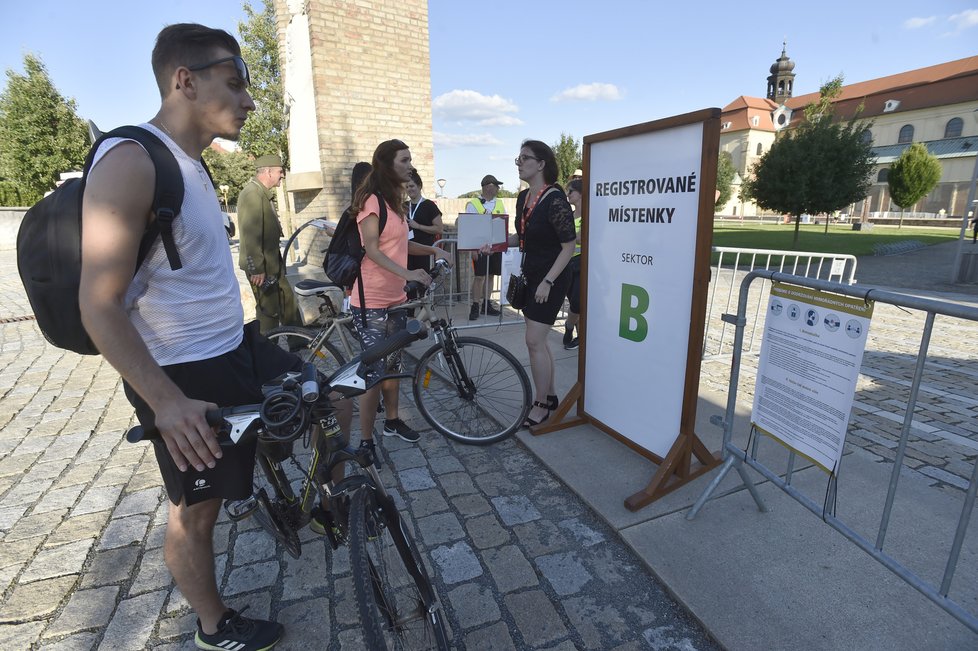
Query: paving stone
x=84, y=641
x=494, y=484
x=469, y=505
x=457, y=483
x=542, y=537
x=85, y=609
x=153, y=574
x=76, y=527
x=111, y=566
x=252, y=547
x=600, y=625
x=485, y=531
x=20, y=636
x=944, y=476
x=177, y=626
x=535, y=616
x=456, y=562
x=492, y=638
x=38, y=524
x=59, y=498
x=133, y=622
x=307, y=625
x=426, y=502
x=407, y=458
x=305, y=575
x=138, y=502
x=515, y=509
x=35, y=600
x=440, y=528
x=582, y=533
x=252, y=577
x=124, y=531
x=98, y=499
x=444, y=465
x=510, y=569
x=565, y=572
x=58, y=561
x=474, y=605
x=416, y=479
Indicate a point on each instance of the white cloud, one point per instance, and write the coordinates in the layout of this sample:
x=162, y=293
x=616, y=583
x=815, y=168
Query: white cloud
x=452, y=140
x=964, y=20
x=472, y=106
x=916, y=23
x=588, y=93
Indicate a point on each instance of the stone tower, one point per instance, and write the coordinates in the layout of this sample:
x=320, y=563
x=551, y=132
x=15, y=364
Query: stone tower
x=356, y=73
x=781, y=82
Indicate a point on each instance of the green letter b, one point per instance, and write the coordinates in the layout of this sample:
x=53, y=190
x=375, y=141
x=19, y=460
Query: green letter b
x=634, y=303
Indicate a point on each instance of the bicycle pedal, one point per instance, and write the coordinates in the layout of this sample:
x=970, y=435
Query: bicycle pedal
x=241, y=509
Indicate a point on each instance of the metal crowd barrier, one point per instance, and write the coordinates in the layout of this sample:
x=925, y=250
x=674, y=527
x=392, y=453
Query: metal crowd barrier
x=733, y=263
x=736, y=459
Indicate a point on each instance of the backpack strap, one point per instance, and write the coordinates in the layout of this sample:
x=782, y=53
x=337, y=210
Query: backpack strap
x=167, y=195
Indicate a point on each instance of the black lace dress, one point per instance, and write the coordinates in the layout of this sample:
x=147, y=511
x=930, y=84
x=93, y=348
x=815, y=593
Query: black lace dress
x=550, y=225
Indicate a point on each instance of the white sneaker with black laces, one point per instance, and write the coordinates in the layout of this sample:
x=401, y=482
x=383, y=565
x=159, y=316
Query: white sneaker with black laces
x=237, y=633
x=397, y=427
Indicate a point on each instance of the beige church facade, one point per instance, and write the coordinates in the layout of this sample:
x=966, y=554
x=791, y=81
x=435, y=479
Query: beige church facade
x=936, y=105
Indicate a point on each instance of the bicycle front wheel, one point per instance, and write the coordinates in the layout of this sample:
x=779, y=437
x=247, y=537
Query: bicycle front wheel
x=300, y=341
x=475, y=392
x=395, y=598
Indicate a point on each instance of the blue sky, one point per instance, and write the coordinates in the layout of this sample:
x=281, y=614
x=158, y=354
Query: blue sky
x=506, y=71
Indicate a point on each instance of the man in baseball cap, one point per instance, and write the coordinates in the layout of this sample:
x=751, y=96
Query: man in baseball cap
x=485, y=264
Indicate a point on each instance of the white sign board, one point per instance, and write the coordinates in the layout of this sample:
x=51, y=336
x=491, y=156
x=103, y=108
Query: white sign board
x=806, y=377
x=643, y=194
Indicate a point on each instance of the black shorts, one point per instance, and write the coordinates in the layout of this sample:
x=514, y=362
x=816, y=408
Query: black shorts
x=494, y=260
x=545, y=312
x=234, y=378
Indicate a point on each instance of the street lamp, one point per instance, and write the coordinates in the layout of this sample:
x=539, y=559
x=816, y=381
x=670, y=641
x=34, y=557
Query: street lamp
x=969, y=205
x=441, y=184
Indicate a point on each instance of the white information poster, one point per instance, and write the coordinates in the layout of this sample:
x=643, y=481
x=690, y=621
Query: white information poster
x=806, y=377
x=643, y=194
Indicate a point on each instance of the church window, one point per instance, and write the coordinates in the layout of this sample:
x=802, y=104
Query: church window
x=953, y=128
x=906, y=134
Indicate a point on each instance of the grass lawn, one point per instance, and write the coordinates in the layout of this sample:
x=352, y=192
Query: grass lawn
x=812, y=237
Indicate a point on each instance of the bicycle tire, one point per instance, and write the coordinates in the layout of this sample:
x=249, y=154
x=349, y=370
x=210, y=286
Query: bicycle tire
x=500, y=385
x=396, y=601
x=298, y=339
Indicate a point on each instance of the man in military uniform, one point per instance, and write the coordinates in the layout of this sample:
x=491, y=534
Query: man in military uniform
x=260, y=258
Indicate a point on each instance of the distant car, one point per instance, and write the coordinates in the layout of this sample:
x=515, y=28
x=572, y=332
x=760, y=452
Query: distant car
x=228, y=226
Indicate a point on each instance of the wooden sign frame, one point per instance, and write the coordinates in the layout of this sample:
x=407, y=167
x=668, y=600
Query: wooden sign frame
x=677, y=467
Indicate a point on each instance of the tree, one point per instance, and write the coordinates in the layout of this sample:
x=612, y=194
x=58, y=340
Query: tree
x=818, y=167
x=233, y=169
x=568, y=153
x=42, y=135
x=725, y=177
x=266, y=131
x=912, y=176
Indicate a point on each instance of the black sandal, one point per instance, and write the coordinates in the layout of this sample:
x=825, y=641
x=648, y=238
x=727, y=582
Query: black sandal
x=529, y=422
x=552, y=402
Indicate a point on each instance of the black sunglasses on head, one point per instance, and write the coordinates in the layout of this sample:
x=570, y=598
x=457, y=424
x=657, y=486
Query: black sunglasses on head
x=239, y=65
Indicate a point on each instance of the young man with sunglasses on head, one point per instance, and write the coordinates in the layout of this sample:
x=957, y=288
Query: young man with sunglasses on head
x=177, y=337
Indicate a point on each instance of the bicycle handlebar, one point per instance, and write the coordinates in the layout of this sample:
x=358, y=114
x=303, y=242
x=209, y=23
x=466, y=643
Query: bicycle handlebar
x=414, y=288
x=214, y=418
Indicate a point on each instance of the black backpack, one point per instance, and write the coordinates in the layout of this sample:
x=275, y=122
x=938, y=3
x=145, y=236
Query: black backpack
x=345, y=251
x=49, y=242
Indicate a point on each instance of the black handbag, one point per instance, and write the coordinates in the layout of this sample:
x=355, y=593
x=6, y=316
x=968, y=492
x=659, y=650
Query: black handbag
x=516, y=293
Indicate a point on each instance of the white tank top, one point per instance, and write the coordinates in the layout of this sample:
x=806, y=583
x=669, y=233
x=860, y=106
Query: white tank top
x=195, y=312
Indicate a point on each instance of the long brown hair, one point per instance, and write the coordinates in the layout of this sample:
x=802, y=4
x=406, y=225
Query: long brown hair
x=382, y=180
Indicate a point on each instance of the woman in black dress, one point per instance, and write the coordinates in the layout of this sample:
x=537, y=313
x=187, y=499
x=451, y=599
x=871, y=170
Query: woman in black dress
x=424, y=218
x=545, y=233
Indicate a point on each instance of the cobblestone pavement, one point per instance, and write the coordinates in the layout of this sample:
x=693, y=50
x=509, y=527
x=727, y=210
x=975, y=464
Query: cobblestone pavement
x=943, y=443
x=520, y=562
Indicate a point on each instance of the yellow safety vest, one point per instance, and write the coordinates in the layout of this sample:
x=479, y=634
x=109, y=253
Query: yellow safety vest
x=498, y=209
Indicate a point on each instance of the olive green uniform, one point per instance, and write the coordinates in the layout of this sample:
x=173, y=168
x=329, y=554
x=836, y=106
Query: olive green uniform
x=259, y=232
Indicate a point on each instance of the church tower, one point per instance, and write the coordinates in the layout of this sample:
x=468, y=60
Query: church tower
x=781, y=82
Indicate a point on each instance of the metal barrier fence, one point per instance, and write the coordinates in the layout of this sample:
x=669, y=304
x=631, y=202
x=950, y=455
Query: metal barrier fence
x=735, y=263
x=736, y=459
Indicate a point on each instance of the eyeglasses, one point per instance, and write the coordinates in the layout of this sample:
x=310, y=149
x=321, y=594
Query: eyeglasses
x=239, y=65
x=523, y=157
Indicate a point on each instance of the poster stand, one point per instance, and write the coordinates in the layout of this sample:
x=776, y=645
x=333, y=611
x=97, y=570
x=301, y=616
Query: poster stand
x=687, y=457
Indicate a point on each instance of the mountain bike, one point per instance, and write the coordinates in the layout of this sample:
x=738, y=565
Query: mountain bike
x=396, y=601
x=469, y=389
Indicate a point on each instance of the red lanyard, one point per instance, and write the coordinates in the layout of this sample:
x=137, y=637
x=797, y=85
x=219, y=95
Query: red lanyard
x=527, y=212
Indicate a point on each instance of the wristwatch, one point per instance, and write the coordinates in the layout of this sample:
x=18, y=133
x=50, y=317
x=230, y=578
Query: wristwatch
x=548, y=281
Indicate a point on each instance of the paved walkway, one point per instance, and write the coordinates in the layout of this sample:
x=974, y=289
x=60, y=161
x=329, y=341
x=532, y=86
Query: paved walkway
x=520, y=561
x=528, y=539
